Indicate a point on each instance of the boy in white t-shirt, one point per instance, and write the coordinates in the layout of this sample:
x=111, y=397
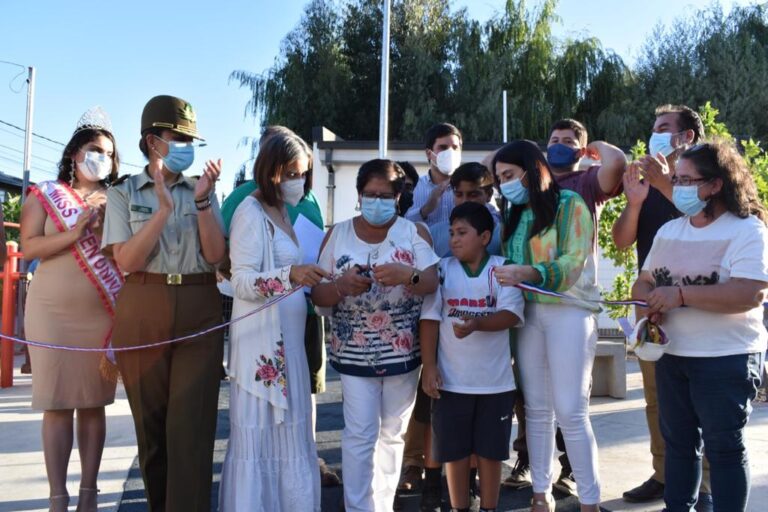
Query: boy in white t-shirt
x=468, y=372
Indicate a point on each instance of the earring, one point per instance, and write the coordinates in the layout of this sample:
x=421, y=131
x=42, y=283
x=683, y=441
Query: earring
x=72, y=176
x=357, y=206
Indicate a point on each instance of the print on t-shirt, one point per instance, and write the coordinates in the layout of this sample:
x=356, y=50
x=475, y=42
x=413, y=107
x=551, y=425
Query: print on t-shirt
x=728, y=248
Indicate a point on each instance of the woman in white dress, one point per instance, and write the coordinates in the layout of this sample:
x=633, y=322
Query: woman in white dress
x=271, y=461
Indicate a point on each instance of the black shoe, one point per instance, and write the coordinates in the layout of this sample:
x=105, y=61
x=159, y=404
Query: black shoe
x=566, y=483
x=431, y=498
x=410, y=479
x=520, y=477
x=650, y=490
x=704, y=503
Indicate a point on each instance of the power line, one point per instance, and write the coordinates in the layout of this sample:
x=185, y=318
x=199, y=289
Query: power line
x=20, y=163
x=59, y=143
x=39, y=143
x=33, y=133
x=22, y=152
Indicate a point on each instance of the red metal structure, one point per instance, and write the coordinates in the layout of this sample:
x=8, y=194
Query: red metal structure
x=11, y=277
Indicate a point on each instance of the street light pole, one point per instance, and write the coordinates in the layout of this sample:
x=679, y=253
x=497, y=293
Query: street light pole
x=504, y=113
x=28, y=131
x=384, y=103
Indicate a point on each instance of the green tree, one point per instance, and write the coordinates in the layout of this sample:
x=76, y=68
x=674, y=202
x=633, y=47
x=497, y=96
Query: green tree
x=444, y=66
x=12, y=213
x=308, y=76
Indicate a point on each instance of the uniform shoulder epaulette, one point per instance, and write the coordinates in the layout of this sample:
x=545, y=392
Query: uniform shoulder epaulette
x=120, y=180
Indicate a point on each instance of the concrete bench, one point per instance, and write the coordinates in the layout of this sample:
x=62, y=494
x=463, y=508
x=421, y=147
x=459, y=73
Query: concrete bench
x=609, y=373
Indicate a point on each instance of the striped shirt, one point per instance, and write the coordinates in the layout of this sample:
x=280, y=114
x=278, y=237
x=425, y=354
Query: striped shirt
x=375, y=334
x=421, y=193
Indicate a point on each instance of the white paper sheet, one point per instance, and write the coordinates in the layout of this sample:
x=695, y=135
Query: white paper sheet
x=310, y=238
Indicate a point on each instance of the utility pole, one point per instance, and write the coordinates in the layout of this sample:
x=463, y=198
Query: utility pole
x=384, y=103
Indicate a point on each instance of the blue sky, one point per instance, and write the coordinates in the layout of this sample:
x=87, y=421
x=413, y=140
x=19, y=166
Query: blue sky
x=120, y=54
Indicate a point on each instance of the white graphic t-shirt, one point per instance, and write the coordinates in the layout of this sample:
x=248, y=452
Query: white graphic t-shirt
x=481, y=363
x=684, y=255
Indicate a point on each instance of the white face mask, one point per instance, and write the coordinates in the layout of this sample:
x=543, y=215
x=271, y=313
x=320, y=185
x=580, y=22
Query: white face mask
x=95, y=166
x=448, y=160
x=292, y=191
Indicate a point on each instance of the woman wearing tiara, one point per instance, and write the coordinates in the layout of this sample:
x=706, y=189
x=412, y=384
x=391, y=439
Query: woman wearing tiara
x=61, y=225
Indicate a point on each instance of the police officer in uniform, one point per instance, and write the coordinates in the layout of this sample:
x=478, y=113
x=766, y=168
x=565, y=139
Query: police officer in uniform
x=164, y=229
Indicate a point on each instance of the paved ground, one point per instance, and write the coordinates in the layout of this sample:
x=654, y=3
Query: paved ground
x=619, y=426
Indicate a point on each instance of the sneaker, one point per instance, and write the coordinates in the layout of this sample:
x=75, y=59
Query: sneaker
x=431, y=498
x=474, y=502
x=410, y=479
x=704, y=503
x=650, y=490
x=520, y=477
x=566, y=483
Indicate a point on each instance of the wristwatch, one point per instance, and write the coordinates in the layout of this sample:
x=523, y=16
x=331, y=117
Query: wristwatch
x=415, y=277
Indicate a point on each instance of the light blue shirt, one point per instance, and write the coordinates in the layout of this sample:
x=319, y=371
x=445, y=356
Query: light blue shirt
x=421, y=193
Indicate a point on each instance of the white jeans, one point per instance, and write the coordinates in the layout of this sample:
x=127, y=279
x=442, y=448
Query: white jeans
x=376, y=413
x=556, y=349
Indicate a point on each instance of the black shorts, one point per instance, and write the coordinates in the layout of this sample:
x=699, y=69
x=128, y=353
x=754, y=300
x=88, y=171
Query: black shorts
x=464, y=424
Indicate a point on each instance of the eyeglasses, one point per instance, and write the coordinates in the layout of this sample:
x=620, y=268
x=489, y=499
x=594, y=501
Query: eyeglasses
x=372, y=195
x=686, y=180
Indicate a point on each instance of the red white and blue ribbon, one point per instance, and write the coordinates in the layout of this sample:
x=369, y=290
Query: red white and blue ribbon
x=532, y=288
x=156, y=344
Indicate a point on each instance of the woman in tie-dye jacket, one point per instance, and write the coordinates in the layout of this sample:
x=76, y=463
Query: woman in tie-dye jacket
x=548, y=235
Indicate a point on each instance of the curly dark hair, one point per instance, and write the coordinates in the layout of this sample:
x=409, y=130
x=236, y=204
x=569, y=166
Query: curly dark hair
x=719, y=159
x=75, y=144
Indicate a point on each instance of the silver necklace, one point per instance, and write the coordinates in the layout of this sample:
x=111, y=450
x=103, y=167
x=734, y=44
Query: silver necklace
x=89, y=194
x=373, y=254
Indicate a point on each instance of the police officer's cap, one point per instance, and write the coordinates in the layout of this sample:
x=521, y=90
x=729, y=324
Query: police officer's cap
x=170, y=113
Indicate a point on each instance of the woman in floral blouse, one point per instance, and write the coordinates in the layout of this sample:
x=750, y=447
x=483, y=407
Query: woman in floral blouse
x=271, y=461
x=381, y=266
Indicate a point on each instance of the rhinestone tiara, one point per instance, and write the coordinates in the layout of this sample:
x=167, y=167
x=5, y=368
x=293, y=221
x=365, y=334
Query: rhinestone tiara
x=95, y=118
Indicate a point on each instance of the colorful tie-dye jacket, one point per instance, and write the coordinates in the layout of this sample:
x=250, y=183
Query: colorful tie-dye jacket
x=559, y=253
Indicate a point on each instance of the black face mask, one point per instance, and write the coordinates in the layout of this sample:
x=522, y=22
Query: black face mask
x=406, y=201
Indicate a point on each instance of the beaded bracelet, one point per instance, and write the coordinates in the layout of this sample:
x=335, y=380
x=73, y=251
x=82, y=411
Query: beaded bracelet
x=202, y=207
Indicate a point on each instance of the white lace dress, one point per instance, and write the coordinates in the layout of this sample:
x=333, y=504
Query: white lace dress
x=273, y=467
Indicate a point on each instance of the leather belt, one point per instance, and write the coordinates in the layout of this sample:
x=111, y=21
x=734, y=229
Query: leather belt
x=171, y=279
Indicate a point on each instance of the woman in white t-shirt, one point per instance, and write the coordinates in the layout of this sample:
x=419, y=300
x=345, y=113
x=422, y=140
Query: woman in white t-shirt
x=704, y=281
x=381, y=266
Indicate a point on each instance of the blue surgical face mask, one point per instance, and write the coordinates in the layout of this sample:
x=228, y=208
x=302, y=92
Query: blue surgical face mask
x=661, y=143
x=180, y=156
x=560, y=155
x=514, y=191
x=686, y=199
x=377, y=211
